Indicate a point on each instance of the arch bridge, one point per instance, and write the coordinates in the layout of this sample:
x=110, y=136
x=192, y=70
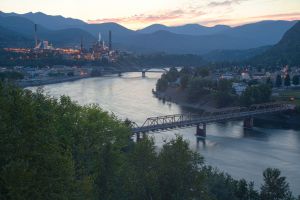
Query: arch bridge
x=169, y=122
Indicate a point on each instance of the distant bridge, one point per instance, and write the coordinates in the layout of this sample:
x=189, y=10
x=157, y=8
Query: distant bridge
x=143, y=71
x=154, y=70
x=169, y=122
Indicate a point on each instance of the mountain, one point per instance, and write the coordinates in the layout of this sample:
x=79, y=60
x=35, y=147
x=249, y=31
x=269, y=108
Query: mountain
x=190, y=38
x=264, y=32
x=59, y=38
x=59, y=23
x=164, y=41
x=188, y=29
x=10, y=38
x=49, y=21
x=52, y=22
x=234, y=55
x=287, y=51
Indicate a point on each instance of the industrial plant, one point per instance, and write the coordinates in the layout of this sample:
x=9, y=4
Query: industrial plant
x=100, y=50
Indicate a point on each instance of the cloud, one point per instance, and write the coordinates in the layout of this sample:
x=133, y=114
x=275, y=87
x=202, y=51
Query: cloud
x=241, y=21
x=151, y=18
x=224, y=3
x=286, y=16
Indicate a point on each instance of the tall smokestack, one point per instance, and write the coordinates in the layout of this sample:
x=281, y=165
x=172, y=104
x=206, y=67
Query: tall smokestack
x=81, y=44
x=35, y=35
x=110, y=43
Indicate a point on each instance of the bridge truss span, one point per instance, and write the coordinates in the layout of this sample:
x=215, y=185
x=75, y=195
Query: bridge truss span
x=167, y=122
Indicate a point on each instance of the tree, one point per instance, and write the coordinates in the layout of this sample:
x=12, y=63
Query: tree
x=172, y=74
x=56, y=149
x=224, y=99
x=198, y=88
x=178, y=171
x=185, y=71
x=269, y=82
x=162, y=83
x=296, y=80
x=255, y=95
x=225, y=85
x=184, y=80
x=203, y=72
x=278, y=81
x=141, y=171
x=275, y=186
x=287, y=80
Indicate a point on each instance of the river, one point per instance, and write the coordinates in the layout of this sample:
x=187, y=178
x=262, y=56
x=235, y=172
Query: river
x=243, y=154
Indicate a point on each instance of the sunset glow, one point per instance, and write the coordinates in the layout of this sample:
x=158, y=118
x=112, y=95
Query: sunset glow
x=136, y=14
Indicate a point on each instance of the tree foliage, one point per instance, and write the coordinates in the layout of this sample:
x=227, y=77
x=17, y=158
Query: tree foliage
x=255, y=95
x=296, y=80
x=275, y=186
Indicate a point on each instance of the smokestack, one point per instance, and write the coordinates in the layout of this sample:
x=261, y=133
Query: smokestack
x=109, y=43
x=35, y=35
x=81, y=44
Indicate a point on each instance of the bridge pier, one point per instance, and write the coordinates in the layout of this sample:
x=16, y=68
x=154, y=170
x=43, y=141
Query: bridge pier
x=138, y=137
x=248, y=123
x=201, y=132
x=143, y=74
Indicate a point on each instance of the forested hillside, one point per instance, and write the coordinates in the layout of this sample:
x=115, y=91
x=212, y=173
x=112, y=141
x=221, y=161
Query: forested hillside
x=287, y=51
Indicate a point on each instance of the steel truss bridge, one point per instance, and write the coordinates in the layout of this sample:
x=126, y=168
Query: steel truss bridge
x=168, y=122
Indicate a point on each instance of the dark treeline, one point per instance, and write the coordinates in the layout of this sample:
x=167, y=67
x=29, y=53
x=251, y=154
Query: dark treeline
x=51, y=58
x=56, y=149
x=11, y=59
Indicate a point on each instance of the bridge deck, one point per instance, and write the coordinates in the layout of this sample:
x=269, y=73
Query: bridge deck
x=184, y=120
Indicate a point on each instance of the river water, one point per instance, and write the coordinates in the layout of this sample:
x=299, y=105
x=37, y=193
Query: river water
x=243, y=154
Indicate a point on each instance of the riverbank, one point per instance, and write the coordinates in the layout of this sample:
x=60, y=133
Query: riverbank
x=39, y=82
x=179, y=97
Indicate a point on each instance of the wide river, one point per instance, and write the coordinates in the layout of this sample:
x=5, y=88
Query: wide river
x=243, y=154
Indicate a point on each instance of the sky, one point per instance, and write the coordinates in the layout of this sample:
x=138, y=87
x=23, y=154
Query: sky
x=137, y=14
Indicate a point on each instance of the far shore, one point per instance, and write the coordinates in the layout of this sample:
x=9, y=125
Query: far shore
x=284, y=119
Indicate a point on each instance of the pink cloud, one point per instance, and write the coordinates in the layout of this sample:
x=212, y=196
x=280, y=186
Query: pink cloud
x=224, y=3
x=236, y=22
x=161, y=17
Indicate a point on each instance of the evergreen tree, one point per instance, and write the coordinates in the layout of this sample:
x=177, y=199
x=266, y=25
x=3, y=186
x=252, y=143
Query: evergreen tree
x=296, y=80
x=287, y=80
x=275, y=186
x=278, y=81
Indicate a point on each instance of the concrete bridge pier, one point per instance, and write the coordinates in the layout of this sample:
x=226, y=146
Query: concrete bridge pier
x=248, y=123
x=143, y=74
x=201, y=132
x=203, y=141
x=138, y=137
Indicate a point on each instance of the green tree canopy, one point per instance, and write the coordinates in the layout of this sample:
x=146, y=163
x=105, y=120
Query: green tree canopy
x=296, y=80
x=275, y=186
